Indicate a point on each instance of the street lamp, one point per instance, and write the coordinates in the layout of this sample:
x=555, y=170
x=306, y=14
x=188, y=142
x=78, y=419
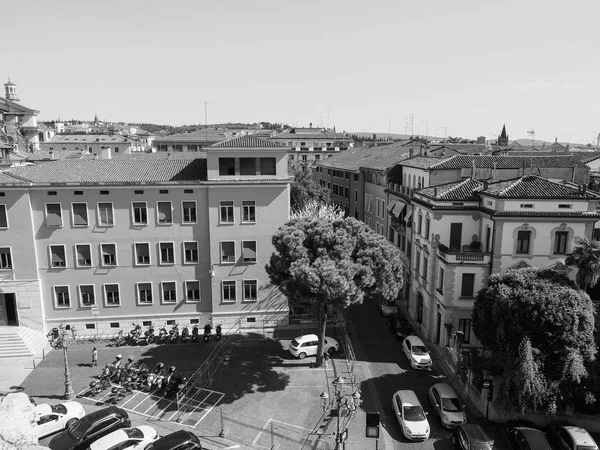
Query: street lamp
x=63, y=341
x=348, y=402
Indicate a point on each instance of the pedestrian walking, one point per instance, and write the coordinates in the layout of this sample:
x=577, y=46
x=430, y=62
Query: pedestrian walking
x=94, y=357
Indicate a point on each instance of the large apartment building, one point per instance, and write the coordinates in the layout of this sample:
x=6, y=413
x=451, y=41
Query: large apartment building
x=99, y=244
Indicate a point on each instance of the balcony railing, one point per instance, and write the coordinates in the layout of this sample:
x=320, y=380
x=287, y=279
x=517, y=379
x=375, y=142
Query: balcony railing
x=7, y=275
x=401, y=189
x=465, y=255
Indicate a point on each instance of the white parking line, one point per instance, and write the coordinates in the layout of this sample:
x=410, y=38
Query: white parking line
x=131, y=398
x=268, y=423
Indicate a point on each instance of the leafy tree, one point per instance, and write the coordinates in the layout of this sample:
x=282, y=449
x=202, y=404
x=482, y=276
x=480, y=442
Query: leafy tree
x=539, y=326
x=304, y=188
x=586, y=258
x=333, y=261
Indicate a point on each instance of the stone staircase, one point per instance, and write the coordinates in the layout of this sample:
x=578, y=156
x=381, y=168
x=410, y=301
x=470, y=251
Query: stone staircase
x=20, y=342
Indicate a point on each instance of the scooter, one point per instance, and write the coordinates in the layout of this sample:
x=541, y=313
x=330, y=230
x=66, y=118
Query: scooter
x=185, y=335
x=120, y=340
x=219, y=333
x=195, y=333
x=174, y=332
x=163, y=335
x=134, y=335
x=149, y=333
x=207, y=332
x=95, y=388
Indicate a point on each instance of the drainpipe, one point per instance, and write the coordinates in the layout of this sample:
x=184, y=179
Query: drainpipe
x=492, y=249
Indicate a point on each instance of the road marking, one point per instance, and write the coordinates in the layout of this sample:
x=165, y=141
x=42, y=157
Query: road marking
x=131, y=398
x=268, y=423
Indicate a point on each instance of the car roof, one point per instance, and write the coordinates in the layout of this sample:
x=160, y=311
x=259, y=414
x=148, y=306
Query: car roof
x=307, y=337
x=415, y=340
x=408, y=398
x=580, y=435
x=93, y=416
x=175, y=438
x=474, y=432
x=111, y=438
x=445, y=390
x=536, y=438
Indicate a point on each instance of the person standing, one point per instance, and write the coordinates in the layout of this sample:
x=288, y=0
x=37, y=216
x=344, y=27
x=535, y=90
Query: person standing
x=94, y=357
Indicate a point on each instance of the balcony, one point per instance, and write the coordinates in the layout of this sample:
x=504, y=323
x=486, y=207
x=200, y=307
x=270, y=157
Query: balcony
x=466, y=255
x=400, y=189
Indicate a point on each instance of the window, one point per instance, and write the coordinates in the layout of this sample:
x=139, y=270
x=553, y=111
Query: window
x=83, y=254
x=249, y=211
x=80, y=214
x=188, y=191
x=104, y=192
x=560, y=242
x=355, y=195
x=164, y=213
x=189, y=212
x=144, y=292
x=191, y=252
x=58, y=257
x=226, y=212
x=468, y=282
x=564, y=206
x=167, y=253
x=3, y=217
x=142, y=253
x=267, y=166
x=249, y=251
x=109, y=254
x=229, y=291
x=418, y=262
x=53, y=215
x=140, y=213
x=163, y=191
x=248, y=166
x=425, y=267
x=427, y=225
x=527, y=205
x=111, y=294
x=138, y=192
x=192, y=291
x=5, y=258
x=86, y=295
x=226, y=166
x=420, y=223
x=250, y=290
x=54, y=192
x=228, y=252
x=169, y=291
x=61, y=297
x=523, y=238
x=440, y=286
x=105, y=214
x=464, y=325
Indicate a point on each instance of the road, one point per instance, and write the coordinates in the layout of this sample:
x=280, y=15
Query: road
x=388, y=371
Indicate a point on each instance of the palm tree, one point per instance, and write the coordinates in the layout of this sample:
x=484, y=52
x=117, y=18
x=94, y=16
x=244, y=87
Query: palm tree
x=586, y=258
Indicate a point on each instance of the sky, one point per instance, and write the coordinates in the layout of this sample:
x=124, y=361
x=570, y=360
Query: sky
x=458, y=68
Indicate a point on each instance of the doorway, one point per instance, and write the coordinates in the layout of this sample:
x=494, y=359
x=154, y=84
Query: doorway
x=439, y=328
x=8, y=310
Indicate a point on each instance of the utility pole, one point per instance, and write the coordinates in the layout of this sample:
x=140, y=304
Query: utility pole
x=426, y=129
x=206, y=123
x=412, y=130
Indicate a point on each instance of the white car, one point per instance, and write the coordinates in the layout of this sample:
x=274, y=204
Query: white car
x=53, y=418
x=127, y=438
x=411, y=417
x=417, y=354
x=447, y=405
x=306, y=345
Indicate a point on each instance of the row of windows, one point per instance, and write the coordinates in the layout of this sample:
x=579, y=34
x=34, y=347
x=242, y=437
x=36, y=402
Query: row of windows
x=247, y=166
x=141, y=252
x=524, y=242
x=167, y=290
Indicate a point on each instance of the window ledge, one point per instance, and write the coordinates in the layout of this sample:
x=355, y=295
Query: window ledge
x=466, y=297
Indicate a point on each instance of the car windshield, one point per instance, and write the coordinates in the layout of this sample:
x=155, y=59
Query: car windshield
x=451, y=405
x=419, y=350
x=78, y=429
x=134, y=433
x=295, y=343
x=413, y=413
x=59, y=409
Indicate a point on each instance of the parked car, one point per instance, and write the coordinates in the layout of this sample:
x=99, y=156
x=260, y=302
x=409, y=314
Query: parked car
x=417, y=354
x=447, y=405
x=89, y=428
x=136, y=438
x=526, y=438
x=388, y=307
x=468, y=436
x=306, y=345
x=411, y=417
x=180, y=440
x=399, y=327
x=569, y=437
x=54, y=418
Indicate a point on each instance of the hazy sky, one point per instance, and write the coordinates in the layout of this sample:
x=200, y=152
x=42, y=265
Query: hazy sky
x=467, y=65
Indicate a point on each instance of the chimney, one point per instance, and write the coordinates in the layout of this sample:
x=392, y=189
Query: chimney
x=310, y=125
x=51, y=154
x=485, y=185
x=410, y=152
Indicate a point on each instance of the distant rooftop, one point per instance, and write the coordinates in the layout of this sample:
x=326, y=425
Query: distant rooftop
x=200, y=136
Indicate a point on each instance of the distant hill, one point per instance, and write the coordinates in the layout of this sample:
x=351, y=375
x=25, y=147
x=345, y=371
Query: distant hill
x=165, y=130
x=538, y=143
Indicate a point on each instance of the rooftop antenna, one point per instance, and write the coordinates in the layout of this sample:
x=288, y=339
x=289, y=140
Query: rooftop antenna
x=532, y=134
x=206, y=122
x=327, y=118
x=426, y=129
x=412, y=131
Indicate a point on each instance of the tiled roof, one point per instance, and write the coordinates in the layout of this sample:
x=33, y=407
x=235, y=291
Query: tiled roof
x=380, y=157
x=248, y=141
x=112, y=171
x=537, y=187
x=87, y=139
x=507, y=162
x=465, y=149
x=585, y=214
x=585, y=157
x=422, y=162
x=313, y=135
x=6, y=178
x=457, y=190
x=206, y=135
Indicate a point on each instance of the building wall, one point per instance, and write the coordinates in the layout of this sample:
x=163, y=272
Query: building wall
x=91, y=147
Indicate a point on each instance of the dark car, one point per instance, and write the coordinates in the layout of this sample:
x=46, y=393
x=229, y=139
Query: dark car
x=469, y=436
x=399, y=327
x=180, y=440
x=526, y=438
x=89, y=428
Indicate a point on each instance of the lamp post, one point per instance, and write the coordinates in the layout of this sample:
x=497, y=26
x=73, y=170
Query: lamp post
x=349, y=402
x=64, y=341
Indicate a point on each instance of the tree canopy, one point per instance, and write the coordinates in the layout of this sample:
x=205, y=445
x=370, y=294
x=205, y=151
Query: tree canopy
x=539, y=326
x=586, y=258
x=335, y=261
x=305, y=189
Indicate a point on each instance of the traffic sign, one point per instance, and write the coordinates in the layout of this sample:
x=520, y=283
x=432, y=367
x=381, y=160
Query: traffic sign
x=95, y=310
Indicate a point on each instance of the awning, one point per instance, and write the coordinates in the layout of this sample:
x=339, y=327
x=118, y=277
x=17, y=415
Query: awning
x=398, y=208
x=408, y=215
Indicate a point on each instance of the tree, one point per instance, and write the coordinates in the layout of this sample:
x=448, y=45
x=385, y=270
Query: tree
x=304, y=188
x=586, y=258
x=333, y=261
x=539, y=326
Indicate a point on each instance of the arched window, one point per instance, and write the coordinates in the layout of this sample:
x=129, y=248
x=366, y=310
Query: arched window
x=419, y=308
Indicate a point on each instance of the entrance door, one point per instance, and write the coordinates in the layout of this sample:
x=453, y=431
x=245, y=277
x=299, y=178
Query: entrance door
x=439, y=328
x=10, y=308
x=455, y=236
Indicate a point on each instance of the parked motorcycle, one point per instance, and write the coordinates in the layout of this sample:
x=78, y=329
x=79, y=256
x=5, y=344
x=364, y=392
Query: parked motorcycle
x=174, y=333
x=207, y=332
x=120, y=339
x=155, y=378
x=163, y=336
x=219, y=333
x=185, y=335
x=195, y=333
x=149, y=333
x=135, y=334
x=95, y=389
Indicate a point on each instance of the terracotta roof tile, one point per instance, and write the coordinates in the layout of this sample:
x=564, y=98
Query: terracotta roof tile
x=457, y=190
x=7, y=178
x=88, y=139
x=248, y=141
x=206, y=135
x=381, y=157
x=423, y=162
x=507, y=162
x=537, y=187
